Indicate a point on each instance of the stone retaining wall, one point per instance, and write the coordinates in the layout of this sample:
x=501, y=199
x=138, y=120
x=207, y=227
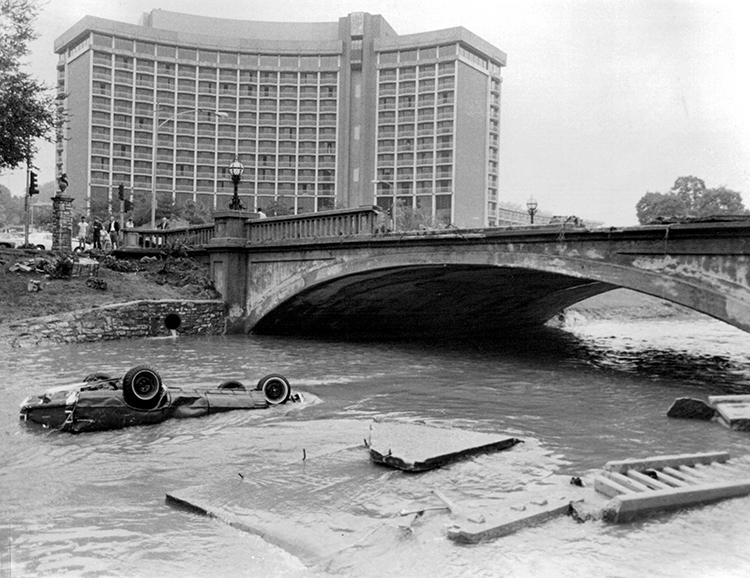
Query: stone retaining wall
x=122, y=320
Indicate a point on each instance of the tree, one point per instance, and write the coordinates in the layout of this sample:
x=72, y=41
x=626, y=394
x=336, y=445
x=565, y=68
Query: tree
x=690, y=190
x=28, y=106
x=721, y=201
x=411, y=219
x=652, y=206
x=192, y=212
x=11, y=208
x=278, y=207
x=689, y=198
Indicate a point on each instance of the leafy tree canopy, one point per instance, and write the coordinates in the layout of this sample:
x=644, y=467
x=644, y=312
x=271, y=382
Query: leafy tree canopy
x=11, y=208
x=278, y=208
x=688, y=198
x=28, y=108
x=192, y=212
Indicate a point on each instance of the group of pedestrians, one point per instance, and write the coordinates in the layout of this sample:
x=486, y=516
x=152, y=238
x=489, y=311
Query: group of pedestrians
x=104, y=236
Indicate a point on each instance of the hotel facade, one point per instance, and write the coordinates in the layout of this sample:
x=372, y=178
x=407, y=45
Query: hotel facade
x=321, y=115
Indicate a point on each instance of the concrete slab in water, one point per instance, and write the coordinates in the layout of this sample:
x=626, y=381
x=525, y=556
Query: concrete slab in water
x=733, y=410
x=307, y=508
x=417, y=448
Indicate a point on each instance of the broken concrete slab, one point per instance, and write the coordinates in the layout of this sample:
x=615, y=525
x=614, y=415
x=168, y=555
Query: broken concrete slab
x=415, y=447
x=733, y=411
x=302, y=507
x=508, y=520
x=690, y=408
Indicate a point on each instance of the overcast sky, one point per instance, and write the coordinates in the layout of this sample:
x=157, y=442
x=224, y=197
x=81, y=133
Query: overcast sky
x=603, y=100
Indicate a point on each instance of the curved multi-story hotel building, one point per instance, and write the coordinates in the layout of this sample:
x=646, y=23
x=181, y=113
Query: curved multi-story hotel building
x=321, y=115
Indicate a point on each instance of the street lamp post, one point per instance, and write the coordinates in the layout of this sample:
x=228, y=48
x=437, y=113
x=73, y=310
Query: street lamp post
x=236, y=168
x=395, y=200
x=157, y=125
x=531, y=205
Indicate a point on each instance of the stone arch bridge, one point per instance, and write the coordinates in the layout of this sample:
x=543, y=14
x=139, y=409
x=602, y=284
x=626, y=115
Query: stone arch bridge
x=343, y=273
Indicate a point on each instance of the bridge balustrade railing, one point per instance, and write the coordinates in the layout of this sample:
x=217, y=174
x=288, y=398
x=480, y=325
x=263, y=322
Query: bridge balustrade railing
x=191, y=236
x=325, y=224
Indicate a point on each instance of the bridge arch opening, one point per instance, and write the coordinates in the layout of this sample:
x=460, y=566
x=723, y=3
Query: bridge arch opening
x=434, y=300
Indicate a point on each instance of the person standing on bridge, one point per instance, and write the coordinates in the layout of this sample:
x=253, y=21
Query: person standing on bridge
x=261, y=214
x=83, y=230
x=113, y=228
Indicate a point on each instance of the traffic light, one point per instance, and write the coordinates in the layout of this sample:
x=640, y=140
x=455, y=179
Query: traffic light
x=33, y=185
x=128, y=205
x=121, y=191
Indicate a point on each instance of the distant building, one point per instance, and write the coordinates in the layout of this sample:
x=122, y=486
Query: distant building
x=321, y=115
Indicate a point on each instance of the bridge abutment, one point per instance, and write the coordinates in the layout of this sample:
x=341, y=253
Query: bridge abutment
x=229, y=262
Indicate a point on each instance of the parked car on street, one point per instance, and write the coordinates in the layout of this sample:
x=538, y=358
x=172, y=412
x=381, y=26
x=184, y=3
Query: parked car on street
x=13, y=237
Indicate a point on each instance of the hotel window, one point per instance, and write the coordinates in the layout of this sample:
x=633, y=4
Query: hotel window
x=248, y=90
x=101, y=88
x=407, y=101
x=123, y=62
x=288, y=78
x=165, y=68
x=207, y=87
x=427, y=71
x=446, y=67
x=121, y=150
x=145, y=65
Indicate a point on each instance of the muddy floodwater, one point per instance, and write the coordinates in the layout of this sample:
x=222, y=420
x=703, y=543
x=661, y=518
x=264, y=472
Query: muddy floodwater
x=93, y=505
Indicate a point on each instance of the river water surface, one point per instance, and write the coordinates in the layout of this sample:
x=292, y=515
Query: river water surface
x=94, y=504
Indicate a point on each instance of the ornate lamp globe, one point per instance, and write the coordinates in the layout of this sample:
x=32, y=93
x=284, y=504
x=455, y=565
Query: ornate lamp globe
x=236, y=168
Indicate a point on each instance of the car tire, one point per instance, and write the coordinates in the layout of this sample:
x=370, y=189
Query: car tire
x=97, y=376
x=232, y=384
x=142, y=388
x=276, y=389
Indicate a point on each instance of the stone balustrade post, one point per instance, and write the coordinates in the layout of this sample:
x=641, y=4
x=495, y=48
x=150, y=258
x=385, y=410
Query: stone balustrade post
x=62, y=223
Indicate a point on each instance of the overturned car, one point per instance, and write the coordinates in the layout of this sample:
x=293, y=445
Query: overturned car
x=102, y=402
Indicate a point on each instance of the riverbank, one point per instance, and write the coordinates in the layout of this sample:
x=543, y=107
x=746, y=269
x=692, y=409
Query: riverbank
x=626, y=304
x=125, y=281
x=102, y=297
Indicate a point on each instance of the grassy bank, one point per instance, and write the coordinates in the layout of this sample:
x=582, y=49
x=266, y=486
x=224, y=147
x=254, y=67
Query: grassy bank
x=171, y=278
